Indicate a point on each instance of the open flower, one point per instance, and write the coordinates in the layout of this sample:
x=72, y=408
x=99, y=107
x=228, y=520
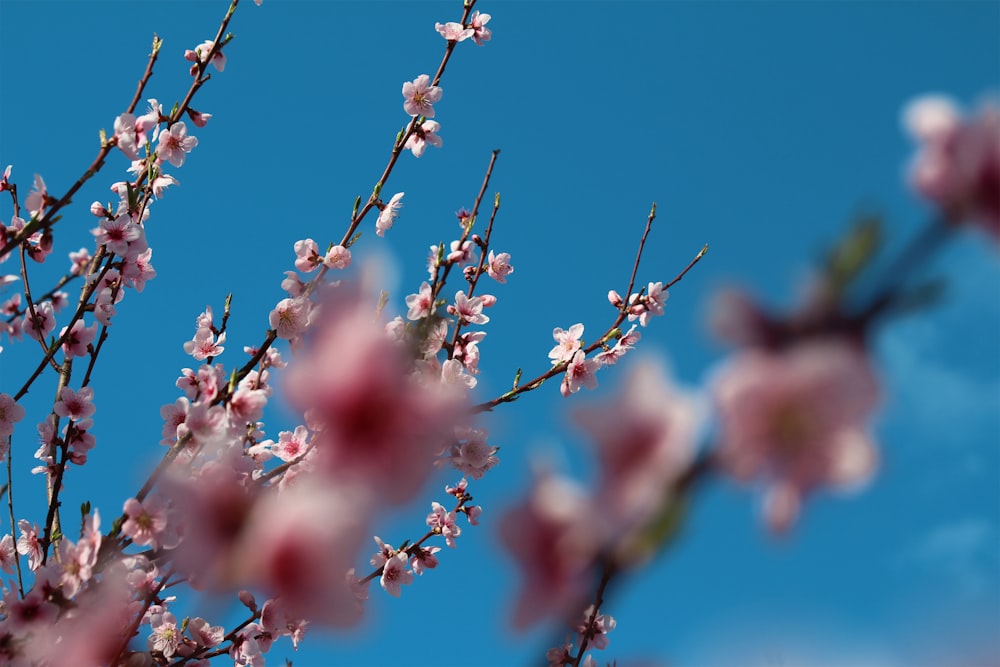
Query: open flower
x=420, y=96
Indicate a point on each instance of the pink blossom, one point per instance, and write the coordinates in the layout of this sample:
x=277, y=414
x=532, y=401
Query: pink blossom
x=645, y=441
x=468, y=310
x=38, y=197
x=298, y=545
x=307, y=256
x=454, y=32
x=389, y=213
x=205, y=345
x=471, y=455
x=598, y=632
x=424, y=558
x=499, y=266
x=200, y=55
x=551, y=536
x=581, y=372
x=79, y=261
x=175, y=144
x=395, y=575
x=423, y=134
x=10, y=412
x=166, y=636
x=150, y=523
x=442, y=522
x=197, y=117
x=291, y=445
x=958, y=165
x=622, y=346
x=798, y=418
x=42, y=324
x=480, y=32
x=420, y=304
x=4, y=182
x=453, y=375
x=290, y=317
x=128, y=140
x=567, y=344
x=75, y=405
x=382, y=426
x=161, y=183
x=8, y=555
x=137, y=270
x=649, y=304
x=420, y=96
x=117, y=233
x=29, y=545
x=461, y=252
x=337, y=257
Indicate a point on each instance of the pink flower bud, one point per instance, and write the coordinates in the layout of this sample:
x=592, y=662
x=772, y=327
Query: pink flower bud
x=198, y=118
x=615, y=299
x=97, y=210
x=488, y=300
x=246, y=597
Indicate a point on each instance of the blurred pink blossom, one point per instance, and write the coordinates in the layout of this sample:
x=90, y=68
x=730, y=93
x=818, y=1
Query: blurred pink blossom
x=798, y=418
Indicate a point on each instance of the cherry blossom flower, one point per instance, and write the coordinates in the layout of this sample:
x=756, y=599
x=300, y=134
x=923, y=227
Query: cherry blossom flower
x=38, y=197
x=8, y=555
x=443, y=522
x=199, y=118
x=622, y=346
x=420, y=96
x=290, y=317
x=471, y=455
x=337, y=257
x=79, y=261
x=798, y=418
x=598, y=632
x=128, y=140
x=137, y=270
x=175, y=144
x=649, y=304
x=499, y=266
x=389, y=213
x=461, y=252
x=468, y=310
x=581, y=372
x=424, y=558
x=166, y=636
x=150, y=522
x=10, y=412
x=205, y=345
x=453, y=375
x=454, y=32
x=200, y=55
x=423, y=134
x=292, y=444
x=567, y=343
x=75, y=405
x=395, y=575
x=29, y=545
x=42, y=324
x=4, y=178
x=117, y=233
x=480, y=32
x=420, y=304
x=958, y=165
x=307, y=256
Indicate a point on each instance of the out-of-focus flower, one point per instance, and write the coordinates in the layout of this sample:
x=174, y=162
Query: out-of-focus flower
x=958, y=164
x=389, y=214
x=798, y=418
x=551, y=536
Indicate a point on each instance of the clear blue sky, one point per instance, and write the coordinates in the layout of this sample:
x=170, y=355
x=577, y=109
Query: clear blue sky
x=758, y=127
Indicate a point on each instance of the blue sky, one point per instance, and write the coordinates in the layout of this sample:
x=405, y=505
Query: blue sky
x=760, y=128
